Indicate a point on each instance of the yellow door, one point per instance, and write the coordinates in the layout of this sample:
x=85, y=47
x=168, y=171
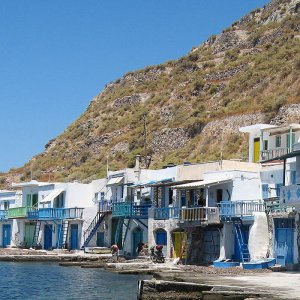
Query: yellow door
x=180, y=240
x=256, y=150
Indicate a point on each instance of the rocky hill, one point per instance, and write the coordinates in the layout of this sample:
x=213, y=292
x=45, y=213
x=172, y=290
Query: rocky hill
x=189, y=109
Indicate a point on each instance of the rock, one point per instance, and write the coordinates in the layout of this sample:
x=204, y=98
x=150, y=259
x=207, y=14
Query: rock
x=287, y=114
x=224, y=75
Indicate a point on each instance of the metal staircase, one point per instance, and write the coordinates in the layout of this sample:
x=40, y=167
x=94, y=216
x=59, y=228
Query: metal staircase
x=243, y=246
x=63, y=234
x=36, y=234
x=92, y=229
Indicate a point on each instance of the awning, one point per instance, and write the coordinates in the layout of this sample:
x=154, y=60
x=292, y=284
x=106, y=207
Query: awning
x=115, y=180
x=52, y=196
x=202, y=183
x=282, y=157
x=142, y=184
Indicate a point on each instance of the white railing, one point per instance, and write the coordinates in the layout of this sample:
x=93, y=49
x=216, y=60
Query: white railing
x=199, y=214
x=273, y=153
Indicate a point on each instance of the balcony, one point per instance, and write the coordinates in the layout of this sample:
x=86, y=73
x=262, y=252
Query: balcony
x=3, y=214
x=55, y=213
x=105, y=206
x=18, y=212
x=130, y=210
x=165, y=213
x=273, y=153
x=240, y=209
x=290, y=195
x=198, y=215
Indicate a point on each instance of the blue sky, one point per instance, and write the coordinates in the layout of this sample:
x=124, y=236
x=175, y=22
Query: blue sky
x=55, y=56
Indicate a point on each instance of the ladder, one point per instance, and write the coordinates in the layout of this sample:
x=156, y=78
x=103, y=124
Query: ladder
x=63, y=234
x=37, y=230
x=243, y=246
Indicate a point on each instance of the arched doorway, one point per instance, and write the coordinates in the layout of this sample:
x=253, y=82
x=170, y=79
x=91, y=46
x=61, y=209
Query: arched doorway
x=137, y=236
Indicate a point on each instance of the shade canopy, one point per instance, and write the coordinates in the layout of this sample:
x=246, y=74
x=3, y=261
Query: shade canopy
x=49, y=198
x=115, y=180
x=202, y=183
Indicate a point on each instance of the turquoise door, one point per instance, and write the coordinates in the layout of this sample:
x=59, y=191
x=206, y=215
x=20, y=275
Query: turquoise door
x=137, y=236
x=6, y=235
x=100, y=239
x=74, y=236
x=48, y=237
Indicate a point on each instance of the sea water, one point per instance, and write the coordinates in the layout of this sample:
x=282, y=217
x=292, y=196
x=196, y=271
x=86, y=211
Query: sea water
x=51, y=281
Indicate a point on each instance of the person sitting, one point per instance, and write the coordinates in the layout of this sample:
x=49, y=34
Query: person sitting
x=115, y=252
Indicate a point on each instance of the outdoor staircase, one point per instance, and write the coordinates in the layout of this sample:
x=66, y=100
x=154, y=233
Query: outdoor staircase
x=243, y=246
x=63, y=234
x=122, y=229
x=92, y=229
x=36, y=234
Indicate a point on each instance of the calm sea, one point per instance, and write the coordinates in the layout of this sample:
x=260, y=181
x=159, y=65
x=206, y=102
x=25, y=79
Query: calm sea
x=50, y=281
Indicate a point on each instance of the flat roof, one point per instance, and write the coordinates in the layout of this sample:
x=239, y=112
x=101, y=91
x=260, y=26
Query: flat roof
x=282, y=129
x=255, y=127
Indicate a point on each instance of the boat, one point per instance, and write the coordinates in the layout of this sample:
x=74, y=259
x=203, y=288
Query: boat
x=225, y=263
x=259, y=264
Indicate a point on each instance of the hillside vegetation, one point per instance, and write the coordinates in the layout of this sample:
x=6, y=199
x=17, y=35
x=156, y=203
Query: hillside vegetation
x=188, y=109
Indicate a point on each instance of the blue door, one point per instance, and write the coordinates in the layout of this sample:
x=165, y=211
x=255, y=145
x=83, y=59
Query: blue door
x=48, y=237
x=74, y=236
x=137, y=236
x=100, y=239
x=6, y=235
x=161, y=237
x=284, y=241
x=245, y=234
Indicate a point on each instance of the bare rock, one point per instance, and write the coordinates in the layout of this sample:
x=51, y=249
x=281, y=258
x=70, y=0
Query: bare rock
x=287, y=114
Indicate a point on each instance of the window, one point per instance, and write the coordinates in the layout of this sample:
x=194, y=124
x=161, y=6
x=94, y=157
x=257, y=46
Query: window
x=265, y=145
x=170, y=196
x=6, y=205
x=183, y=198
x=278, y=141
x=102, y=196
x=288, y=139
x=265, y=191
x=192, y=198
x=277, y=187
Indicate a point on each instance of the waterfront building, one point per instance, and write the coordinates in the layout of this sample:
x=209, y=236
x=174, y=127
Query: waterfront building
x=275, y=147
x=8, y=199
x=51, y=215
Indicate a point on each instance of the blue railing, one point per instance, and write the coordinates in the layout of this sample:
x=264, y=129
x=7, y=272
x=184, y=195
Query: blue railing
x=104, y=206
x=129, y=210
x=240, y=209
x=55, y=213
x=3, y=214
x=164, y=213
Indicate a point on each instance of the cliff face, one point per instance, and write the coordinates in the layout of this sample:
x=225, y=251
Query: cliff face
x=184, y=110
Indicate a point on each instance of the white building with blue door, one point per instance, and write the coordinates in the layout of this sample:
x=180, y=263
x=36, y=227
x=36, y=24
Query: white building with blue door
x=8, y=199
x=51, y=215
x=275, y=147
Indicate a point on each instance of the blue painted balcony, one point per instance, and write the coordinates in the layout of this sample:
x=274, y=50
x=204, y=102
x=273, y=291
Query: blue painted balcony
x=54, y=213
x=105, y=206
x=165, y=213
x=240, y=209
x=130, y=210
x=3, y=214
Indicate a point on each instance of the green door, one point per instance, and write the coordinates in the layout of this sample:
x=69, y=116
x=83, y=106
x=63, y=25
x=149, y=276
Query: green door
x=29, y=233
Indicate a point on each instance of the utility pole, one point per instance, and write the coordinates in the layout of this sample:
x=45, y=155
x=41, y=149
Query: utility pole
x=146, y=156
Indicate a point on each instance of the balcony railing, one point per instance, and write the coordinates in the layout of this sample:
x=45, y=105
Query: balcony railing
x=104, y=206
x=3, y=214
x=273, y=153
x=130, y=210
x=240, y=209
x=164, y=213
x=18, y=212
x=55, y=213
x=290, y=195
x=199, y=214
